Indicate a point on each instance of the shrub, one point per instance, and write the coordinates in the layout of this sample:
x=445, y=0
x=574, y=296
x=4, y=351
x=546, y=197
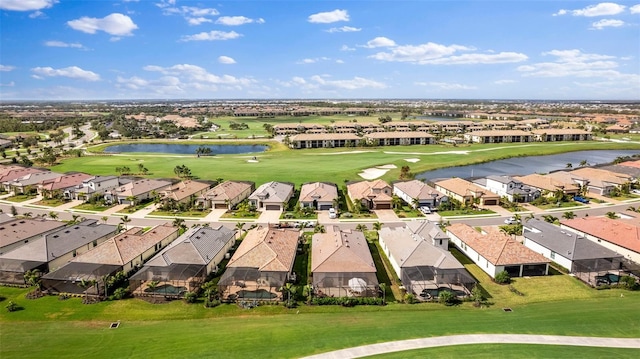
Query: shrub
x=11, y=307
x=120, y=293
x=190, y=297
x=628, y=282
x=477, y=296
x=211, y=303
x=503, y=278
x=447, y=298
x=410, y=298
x=347, y=301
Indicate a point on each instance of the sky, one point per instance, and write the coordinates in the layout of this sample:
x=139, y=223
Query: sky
x=277, y=49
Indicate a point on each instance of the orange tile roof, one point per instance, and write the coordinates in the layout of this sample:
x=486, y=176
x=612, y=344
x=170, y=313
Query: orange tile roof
x=495, y=246
x=620, y=233
x=268, y=249
x=339, y=251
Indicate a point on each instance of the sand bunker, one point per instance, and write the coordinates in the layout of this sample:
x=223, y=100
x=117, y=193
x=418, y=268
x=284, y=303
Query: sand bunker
x=252, y=161
x=412, y=160
x=376, y=172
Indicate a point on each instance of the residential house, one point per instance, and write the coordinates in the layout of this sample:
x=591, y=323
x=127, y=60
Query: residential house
x=12, y=172
x=582, y=257
x=466, y=192
x=136, y=191
x=494, y=251
x=20, y=231
x=56, y=187
x=630, y=168
x=342, y=265
x=376, y=194
x=419, y=256
x=601, y=181
x=227, y=194
x=399, y=138
x=561, y=134
x=323, y=140
x=125, y=252
x=318, y=195
x=184, y=191
x=615, y=234
x=498, y=136
x=94, y=186
x=261, y=265
x=272, y=196
x=548, y=185
x=418, y=194
x=29, y=182
x=50, y=251
x=184, y=264
x=506, y=186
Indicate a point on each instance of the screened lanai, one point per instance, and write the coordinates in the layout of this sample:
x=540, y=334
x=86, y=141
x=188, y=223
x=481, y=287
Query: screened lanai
x=173, y=280
x=251, y=283
x=418, y=279
x=69, y=278
x=345, y=284
x=12, y=270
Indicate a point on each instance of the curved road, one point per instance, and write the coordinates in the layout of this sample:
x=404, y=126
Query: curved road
x=411, y=344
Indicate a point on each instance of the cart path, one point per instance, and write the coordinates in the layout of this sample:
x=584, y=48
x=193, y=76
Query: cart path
x=402, y=345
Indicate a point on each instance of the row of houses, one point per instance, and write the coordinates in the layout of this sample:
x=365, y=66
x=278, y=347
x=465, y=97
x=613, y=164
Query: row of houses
x=406, y=138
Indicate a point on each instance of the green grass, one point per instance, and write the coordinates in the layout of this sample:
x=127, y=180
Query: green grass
x=525, y=351
x=20, y=198
x=194, y=214
x=465, y=212
x=48, y=327
x=332, y=165
x=92, y=207
x=562, y=205
x=51, y=202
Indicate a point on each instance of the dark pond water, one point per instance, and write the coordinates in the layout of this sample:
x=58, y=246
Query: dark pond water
x=527, y=165
x=184, y=149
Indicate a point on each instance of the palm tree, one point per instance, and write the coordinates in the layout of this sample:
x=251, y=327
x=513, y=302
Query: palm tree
x=152, y=288
x=611, y=215
x=240, y=228
x=124, y=220
x=569, y=165
x=33, y=278
x=53, y=215
x=319, y=229
x=27, y=215
x=179, y=223
x=383, y=288
x=74, y=219
x=396, y=201
x=104, y=219
x=584, y=163
x=633, y=209
x=361, y=227
x=568, y=215
x=85, y=285
x=377, y=226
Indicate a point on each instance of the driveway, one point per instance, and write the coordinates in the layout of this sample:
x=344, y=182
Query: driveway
x=386, y=215
x=215, y=215
x=403, y=345
x=269, y=217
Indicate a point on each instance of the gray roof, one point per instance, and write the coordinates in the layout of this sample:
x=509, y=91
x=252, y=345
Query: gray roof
x=413, y=250
x=565, y=243
x=427, y=230
x=62, y=241
x=277, y=192
x=503, y=179
x=199, y=245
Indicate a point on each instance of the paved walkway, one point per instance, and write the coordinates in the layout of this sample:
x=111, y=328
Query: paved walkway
x=403, y=345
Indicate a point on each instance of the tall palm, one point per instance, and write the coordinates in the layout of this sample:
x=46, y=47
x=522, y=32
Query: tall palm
x=240, y=228
x=53, y=215
x=568, y=215
x=377, y=226
x=179, y=223
x=124, y=220
x=104, y=219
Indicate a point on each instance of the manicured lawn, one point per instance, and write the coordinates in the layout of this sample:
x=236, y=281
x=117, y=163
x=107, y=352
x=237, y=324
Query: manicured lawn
x=53, y=202
x=92, y=207
x=48, y=327
x=194, y=214
x=333, y=165
x=20, y=198
x=465, y=212
x=562, y=205
x=491, y=351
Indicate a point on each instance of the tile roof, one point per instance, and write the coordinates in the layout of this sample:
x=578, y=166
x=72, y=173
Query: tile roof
x=268, y=249
x=413, y=250
x=614, y=231
x=323, y=136
x=184, y=189
x=19, y=229
x=228, y=190
x=567, y=244
x=417, y=189
x=369, y=189
x=126, y=246
x=546, y=183
x=65, y=181
x=198, y=245
x=598, y=176
x=139, y=187
x=463, y=187
x=320, y=191
x=399, y=134
x=9, y=173
x=495, y=133
x=271, y=192
x=62, y=241
x=33, y=178
x=340, y=251
x=495, y=246
x=561, y=131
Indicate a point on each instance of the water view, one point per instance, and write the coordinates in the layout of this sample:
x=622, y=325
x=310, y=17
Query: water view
x=528, y=165
x=183, y=149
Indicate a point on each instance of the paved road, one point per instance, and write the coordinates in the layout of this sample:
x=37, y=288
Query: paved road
x=403, y=345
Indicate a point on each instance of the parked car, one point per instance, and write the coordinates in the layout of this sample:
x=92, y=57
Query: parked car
x=425, y=210
x=511, y=220
x=635, y=191
x=580, y=199
x=332, y=213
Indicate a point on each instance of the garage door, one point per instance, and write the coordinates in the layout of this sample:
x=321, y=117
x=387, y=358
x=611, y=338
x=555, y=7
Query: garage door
x=384, y=206
x=272, y=207
x=491, y=202
x=220, y=206
x=325, y=207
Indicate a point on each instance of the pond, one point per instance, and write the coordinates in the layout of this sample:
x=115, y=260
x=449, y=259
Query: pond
x=522, y=166
x=183, y=149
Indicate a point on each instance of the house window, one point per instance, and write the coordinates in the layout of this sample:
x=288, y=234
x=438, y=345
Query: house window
x=74, y=253
x=553, y=255
x=440, y=241
x=95, y=243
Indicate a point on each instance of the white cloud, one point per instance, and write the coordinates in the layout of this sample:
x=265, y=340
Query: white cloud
x=26, y=5
x=329, y=17
x=73, y=72
x=601, y=9
x=37, y=14
x=353, y=84
x=313, y=60
x=338, y=61
x=197, y=76
x=54, y=43
x=344, y=29
x=114, y=24
x=347, y=48
x=7, y=68
x=380, y=41
x=9, y=84
x=197, y=20
x=237, y=20
x=226, y=60
x=601, y=24
x=212, y=36
x=446, y=85
x=635, y=9
x=573, y=63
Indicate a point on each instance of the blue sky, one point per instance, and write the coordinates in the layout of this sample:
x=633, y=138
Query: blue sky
x=173, y=49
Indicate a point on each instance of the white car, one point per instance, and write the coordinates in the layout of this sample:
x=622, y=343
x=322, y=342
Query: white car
x=425, y=210
x=511, y=220
x=332, y=213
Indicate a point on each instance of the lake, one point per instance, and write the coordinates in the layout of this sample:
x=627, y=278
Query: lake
x=527, y=165
x=183, y=149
